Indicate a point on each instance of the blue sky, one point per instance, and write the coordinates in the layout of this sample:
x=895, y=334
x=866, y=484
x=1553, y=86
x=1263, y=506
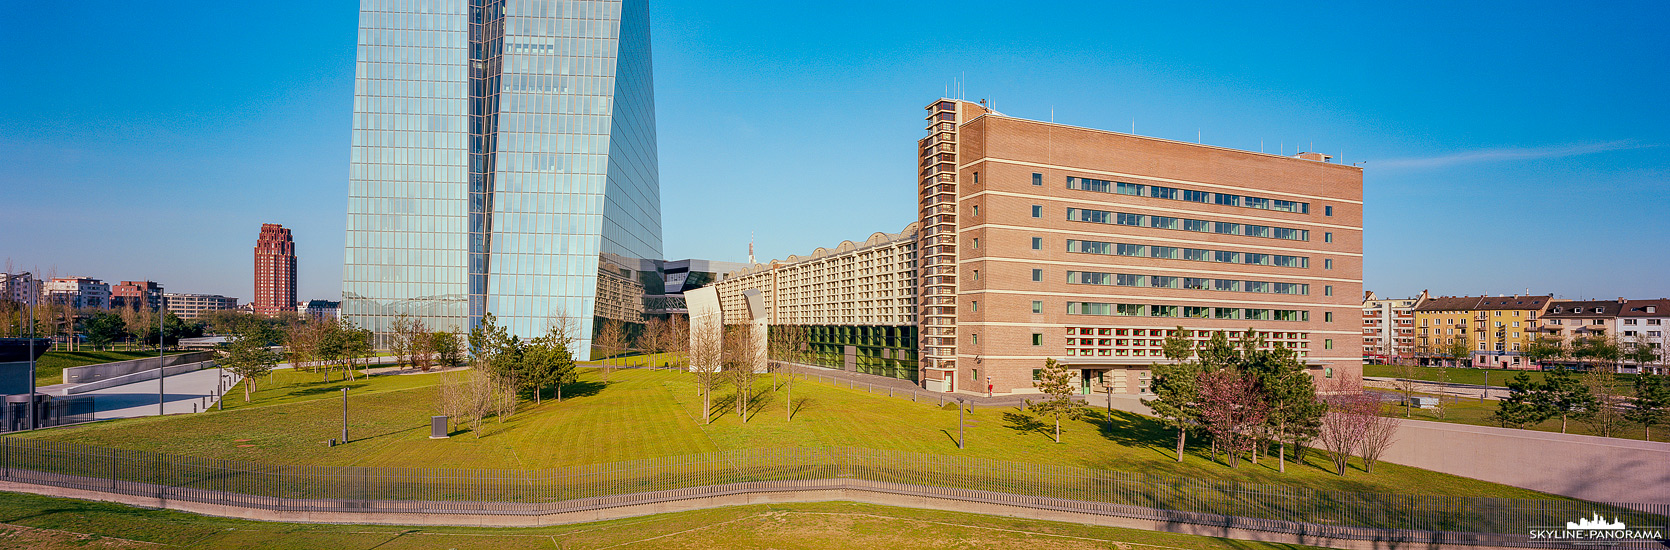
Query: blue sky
x=1508, y=145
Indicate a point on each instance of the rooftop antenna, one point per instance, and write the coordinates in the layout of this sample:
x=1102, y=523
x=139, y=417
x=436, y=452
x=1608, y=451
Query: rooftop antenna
x=1197, y=135
x=750, y=248
x=1133, y=126
x=1052, y=113
x=1261, y=145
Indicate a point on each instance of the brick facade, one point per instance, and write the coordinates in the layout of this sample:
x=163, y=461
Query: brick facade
x=275, y=271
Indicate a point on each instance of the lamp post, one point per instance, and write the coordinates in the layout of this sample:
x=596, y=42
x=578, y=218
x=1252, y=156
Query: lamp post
x=344, y=416
x=161, y=374
x=959, y=423
x=33, y=298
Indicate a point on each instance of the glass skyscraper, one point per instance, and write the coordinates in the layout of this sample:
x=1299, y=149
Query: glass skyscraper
x=504, y=162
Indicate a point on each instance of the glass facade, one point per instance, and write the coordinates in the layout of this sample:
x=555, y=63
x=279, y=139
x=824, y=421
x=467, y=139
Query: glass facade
x=504, y=161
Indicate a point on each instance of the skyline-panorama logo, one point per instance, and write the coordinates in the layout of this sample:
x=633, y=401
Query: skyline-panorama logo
x=1598, y=530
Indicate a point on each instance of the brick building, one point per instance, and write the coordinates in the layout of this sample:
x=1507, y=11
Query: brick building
x=136, y=295
x=1038, y=240
x=275, y=271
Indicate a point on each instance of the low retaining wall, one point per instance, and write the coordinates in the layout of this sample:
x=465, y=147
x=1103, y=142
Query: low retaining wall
x=1601, y=469
x=140, y=376
x=93, y=373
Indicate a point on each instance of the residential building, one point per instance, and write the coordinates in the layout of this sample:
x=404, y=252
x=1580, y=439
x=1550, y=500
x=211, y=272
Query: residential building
x=1389, y=327
x=192, y=306
x=22, y=288
x=1644, y=323
x=1495, y=329
x=136, y=295
x=499, y=151
x=323, y=310
x=275, y=270
x=1038, y=240
x=856, y=301
x=79, y=292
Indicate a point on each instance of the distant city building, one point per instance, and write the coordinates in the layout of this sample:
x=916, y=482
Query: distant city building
x=1643, y=323
x=1627, y=323
x=328, y=310
x=136, y=295
x=1495, y=329
x=275, y=270
x=79, y=292
x=499, y=153
x=1039, y=241
x=192, y=306
x=22, y=288
x=1389, y=327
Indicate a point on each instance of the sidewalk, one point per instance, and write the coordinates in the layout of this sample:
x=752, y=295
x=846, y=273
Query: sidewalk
x=902, y=388
x=1469, y=391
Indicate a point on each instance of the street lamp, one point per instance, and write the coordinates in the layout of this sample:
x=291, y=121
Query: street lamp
x=161, y=374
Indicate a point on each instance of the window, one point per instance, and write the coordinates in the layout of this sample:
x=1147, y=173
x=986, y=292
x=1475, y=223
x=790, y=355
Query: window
x=1226, y=313
x=975, y=339
x=976, y=209
x=1158, y=281
x=1129, y=250
x=1163, y=252
x=1162, y=311
x=1328, y=290
x=1129, y=189
x=1227, y=228
x=1226, y=285
x=1162, y=192
x=1224, y=256
x=1328, y=343
x=1089, y=247
x=1255, y=259
x=1328, y=210
x=1037, y=275
x=1256, y=202
x=977, y=243
x=1037, y=339
x=1129, y=219
x=1037, y=243
x=1130, y=309
x=977, y=178
x=1256, y=231
x=1328, y=317
x=1197, y=312
x=1255, y=314
x=976, y=274
x=1328, y=237
x=1196, y=196
x=974, y=305
x=1037, y=179
x=1192, y=283
x=1227, y=200
x=1162, y=222
x=1328, y=263
x=1087, y=184
x=1196, y=254
x=1197, y=225
x=1037, y=211
x=1037, y=306
x=1124, y=279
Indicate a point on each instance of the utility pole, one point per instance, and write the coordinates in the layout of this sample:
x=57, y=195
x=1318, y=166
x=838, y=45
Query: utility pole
x=32, y=299
x=345, y=416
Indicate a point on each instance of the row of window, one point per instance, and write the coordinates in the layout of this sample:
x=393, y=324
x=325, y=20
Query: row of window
x=1173, y=193
x=1194, y=312
x=1175, y=253
x=1166, y=222
x=1189, y=283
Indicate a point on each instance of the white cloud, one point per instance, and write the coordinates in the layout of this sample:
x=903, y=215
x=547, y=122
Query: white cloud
x=1507, y=154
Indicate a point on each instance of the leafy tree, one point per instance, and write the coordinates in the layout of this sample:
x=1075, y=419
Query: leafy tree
x=443, y=346
x=1289, y=393
x=1652, y=402
x=1176, y=388
x=1543, y=348
x=1565, y=396
x=548, y=363
x=103, y=328
x=1525, y=404
x=248, y=354
x=407, y=342
x=1055, y=381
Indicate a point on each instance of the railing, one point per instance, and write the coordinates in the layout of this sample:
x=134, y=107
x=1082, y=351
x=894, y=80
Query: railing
x=1339, y=514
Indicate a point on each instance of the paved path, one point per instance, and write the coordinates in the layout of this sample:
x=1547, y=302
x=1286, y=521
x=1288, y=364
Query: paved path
x=187, y=393
x=1469, y=391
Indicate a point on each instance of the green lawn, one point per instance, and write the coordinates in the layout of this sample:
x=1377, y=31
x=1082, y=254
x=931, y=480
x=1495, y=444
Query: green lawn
x=1496, y=377
x=49, y=369
x=29, y=521
x=648, y=413
x=1471, y=411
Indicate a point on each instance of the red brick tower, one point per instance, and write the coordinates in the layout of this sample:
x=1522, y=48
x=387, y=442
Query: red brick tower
x=275, y=271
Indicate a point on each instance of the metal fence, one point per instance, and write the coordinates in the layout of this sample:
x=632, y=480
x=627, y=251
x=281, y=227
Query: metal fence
x=49, y=411
x=1229, y=504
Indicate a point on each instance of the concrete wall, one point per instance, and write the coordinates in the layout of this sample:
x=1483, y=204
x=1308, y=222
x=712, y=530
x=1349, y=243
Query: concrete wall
x=138, y=377
x=93, y=373
x=1581, y=466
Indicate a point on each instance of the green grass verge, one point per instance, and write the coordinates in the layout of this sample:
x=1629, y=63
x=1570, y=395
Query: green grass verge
x=647, y=413
x=1496, y=377
x=30, y=521
x=49, y=369
x=1474, y=412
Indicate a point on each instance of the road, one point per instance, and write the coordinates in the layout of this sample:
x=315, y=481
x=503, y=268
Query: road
x=1469, y=391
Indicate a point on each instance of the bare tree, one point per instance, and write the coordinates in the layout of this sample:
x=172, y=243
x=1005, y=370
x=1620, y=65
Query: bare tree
x=404, y=343
x=676, y=343
x=1408, y=374
x=1345, y=425
x=744, y=357
x=653, y=340
x=797, y=340
x=706, y=353
x=1607, y=417
x=1379, y=432
x=612, y=338
x=1232, y=410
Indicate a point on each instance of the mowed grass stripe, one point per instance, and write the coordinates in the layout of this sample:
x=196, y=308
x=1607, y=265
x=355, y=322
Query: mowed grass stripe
x=644, y=413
